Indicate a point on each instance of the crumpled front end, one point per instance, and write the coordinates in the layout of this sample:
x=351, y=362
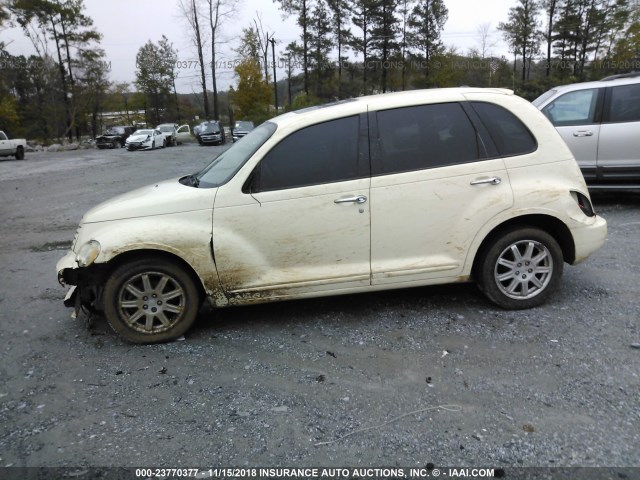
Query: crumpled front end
x=85, y=283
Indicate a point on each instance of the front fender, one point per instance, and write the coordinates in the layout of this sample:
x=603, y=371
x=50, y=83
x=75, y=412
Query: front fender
x=186, y=235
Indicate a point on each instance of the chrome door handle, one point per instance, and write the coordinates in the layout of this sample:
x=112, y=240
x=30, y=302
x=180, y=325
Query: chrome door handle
x=583, y=133
x=356, y=199
x=490, y=180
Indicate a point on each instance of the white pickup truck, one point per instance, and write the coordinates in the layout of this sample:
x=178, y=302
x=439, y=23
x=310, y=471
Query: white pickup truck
x=14, y=147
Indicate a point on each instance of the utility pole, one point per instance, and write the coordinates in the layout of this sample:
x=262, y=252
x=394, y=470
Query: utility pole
x=275, y=81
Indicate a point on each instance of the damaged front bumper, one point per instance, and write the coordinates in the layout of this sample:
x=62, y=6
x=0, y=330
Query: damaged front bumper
x=85, y=291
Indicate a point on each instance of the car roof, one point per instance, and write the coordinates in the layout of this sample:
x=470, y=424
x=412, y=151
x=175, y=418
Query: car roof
x=383, y=101
x=605, y=82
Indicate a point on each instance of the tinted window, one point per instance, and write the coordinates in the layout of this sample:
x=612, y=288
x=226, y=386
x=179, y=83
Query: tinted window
x=427, y=136
x=625, y=103
x=508, y=133
x=323, y=153
x=573, y=108
x=227, y=164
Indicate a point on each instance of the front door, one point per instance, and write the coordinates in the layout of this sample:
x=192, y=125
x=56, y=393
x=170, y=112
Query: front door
x=183, y=134
x=300, y=224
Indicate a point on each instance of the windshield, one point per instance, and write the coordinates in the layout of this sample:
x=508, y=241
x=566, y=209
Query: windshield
x=542, y=98
x=209, y=128
x=230, y=161
x=143, y=132
x=115, y=131
x=244, y=125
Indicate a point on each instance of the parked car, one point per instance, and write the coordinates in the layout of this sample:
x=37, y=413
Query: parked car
x=14, y=147
x=240, y=129
x=210, y=133
x=115, y=137
x=414, y=188
x=146, y=139
x=169, y=130
x=600, y=122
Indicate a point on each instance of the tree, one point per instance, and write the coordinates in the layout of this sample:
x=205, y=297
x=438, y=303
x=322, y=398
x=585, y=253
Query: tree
x=521, y=31
x=550, y=11
x=340, y=11
x=154, y=78
x=363, y=12
x=219, y=11
x=302, y=9
x=63, y=22
x=170, y=57
x=252, y=96
x=426, y=24
x=291, y=56
x=92, y=85
x=320, y=43
x=405, y=15
x=384, y=32
x=190, y=12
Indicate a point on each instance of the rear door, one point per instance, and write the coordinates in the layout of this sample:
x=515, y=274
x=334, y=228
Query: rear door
x=432, y=189
x=619, y=148
x=576, y=116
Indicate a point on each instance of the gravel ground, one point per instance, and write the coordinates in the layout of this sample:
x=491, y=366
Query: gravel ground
x=402, y=378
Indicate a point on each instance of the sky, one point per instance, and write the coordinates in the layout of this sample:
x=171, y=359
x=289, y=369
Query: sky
x=126, y=25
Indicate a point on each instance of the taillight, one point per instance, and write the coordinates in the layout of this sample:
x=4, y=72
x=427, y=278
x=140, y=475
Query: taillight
x=584, y=203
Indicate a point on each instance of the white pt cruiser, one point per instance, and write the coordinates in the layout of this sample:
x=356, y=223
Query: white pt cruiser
x=388, y=191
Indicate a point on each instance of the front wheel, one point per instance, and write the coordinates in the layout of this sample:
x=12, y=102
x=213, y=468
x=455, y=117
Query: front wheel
x=521, y=268
x=150, y=301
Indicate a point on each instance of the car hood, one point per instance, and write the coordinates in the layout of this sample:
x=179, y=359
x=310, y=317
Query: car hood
x=162, y=198
x=137, y=138
x=107, y=137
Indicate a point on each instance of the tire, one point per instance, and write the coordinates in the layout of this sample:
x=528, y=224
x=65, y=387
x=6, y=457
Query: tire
x=166, y=290
x=153, y=145
x=520, y=268
x=19, y=153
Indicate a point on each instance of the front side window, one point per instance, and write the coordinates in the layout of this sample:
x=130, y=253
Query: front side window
x=625, y=103
x=509, y=134
x=573, y=108
x=322, y=153
x=425, y=136
x=227, y=164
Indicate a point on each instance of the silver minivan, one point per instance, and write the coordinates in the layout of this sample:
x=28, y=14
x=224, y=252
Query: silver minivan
x=600, y=123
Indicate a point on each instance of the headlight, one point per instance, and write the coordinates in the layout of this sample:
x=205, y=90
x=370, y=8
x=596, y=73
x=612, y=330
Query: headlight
x=88, y=253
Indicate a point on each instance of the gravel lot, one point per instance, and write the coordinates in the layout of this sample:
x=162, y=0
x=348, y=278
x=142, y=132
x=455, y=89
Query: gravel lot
x=297, y=383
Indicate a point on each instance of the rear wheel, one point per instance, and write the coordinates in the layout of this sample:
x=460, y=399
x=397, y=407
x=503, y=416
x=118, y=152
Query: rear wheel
x=19, y=153
x=150, y=301
x=521, y=268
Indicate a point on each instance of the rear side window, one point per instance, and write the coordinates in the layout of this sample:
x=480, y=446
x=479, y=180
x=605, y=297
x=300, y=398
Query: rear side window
x=625, y=103
x=508, y=133
x=422, y=137
x=322, y=153
x=573, y=108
